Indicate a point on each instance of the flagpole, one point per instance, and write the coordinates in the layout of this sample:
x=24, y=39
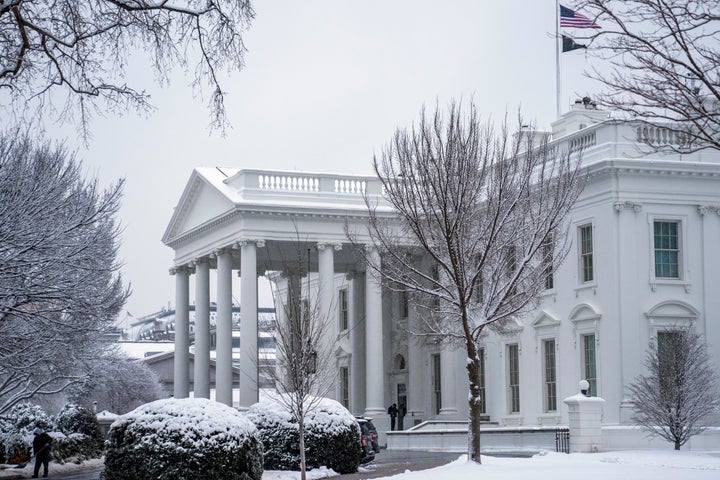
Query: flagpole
x=557, y=58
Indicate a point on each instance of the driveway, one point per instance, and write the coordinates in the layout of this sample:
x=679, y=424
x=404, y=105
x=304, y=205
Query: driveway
x=387, y=462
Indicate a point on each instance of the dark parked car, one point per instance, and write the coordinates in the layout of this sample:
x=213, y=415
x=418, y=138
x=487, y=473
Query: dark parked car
x=366, y=444
x=373, y=433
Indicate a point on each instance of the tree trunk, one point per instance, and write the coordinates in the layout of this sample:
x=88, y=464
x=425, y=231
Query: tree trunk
x=301, y=427
x=677, y=444
x=473, y=369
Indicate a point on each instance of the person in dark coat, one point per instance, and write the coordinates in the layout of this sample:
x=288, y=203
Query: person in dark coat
x=41, y=449
x=393, y=412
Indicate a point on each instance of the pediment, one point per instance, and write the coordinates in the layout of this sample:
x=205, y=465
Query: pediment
x=340, y=352
x=584, y=312
x=545, y=320
x=673, y=309
x=200, y=203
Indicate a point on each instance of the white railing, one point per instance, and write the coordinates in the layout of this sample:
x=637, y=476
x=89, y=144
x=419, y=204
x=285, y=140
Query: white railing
x=288, y=183
x=305, y=183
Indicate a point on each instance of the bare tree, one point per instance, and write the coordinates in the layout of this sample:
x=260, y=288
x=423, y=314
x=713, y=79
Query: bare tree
x=59, y=281
x=479, y=223
x=665, y=66
x=680, y=390
x=83, y=48
x=304, y=372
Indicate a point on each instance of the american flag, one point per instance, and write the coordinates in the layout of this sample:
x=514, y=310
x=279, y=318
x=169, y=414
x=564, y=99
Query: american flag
x=570, y=18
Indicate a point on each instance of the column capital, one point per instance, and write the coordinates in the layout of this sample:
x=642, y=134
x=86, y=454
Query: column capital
x=259, y=243
x=189, y=268
x=321, y=246
x=620, y=206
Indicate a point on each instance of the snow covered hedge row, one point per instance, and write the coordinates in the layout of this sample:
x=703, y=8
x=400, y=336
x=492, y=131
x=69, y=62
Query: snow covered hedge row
x=183, y=438
x=332, y=437
x=75, y=430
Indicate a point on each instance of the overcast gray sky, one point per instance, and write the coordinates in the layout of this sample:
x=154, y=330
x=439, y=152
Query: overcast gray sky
x=326, y=83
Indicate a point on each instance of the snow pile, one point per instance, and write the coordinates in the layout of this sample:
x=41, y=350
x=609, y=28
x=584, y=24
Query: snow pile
x=329, y=427
x=183, y=438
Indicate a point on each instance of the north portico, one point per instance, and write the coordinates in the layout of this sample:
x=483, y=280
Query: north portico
x=248, y=221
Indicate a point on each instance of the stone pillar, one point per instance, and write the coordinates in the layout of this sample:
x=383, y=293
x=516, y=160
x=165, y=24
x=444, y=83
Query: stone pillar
x=448, y=390
x=326, y=282
x=585, y=421
x=202, y=329
x=223, y=330
x=374, y=365
x=182, y=336
x=248, y=324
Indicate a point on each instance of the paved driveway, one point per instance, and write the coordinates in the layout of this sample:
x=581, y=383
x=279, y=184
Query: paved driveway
x=386, y=463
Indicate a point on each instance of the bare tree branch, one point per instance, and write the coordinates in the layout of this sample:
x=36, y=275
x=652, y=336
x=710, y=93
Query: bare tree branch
x=475, y=211
x=83, y=48
x=665, y=66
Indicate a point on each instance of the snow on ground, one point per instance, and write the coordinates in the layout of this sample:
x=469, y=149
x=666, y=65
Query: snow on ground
x=655, y=465
x=53, y=469
x=626, y=465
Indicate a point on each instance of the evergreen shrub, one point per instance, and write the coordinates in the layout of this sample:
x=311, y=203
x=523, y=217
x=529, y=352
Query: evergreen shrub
x=183, y=439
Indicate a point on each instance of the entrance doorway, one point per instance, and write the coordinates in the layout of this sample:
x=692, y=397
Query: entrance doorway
x=402, y=404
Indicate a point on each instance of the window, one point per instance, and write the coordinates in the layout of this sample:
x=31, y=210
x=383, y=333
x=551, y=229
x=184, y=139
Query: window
x=667, y=249
x=547, y=260
x=343, y=309
x=437, y=393
x=345, y=386
x=589, y=368
x=514, y=377
x=586, y=254
x=481, y=374
x=550, y=375
x=404, y=304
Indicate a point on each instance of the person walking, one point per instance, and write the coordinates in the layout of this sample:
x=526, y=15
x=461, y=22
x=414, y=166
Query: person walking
x=393, y=412
x=41, y=449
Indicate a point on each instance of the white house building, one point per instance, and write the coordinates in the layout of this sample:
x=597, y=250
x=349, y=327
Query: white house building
x=645, y=257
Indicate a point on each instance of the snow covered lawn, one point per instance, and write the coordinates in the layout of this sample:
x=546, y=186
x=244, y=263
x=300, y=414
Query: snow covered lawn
x=655, y=465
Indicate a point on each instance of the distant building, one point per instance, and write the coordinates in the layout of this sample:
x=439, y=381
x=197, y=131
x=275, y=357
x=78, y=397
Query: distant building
x=151, y=338
x=645, y=235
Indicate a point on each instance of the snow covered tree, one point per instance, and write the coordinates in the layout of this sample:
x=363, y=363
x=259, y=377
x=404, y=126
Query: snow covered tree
x=117, y=383
x=82, y=49
x=59, y=281
x=665, y=66
x=477, y=227
x=304, y=373
x=680, y=390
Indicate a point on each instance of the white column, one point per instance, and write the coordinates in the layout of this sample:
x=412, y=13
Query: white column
x=182, y=340
x=447, y=381
x=326, y=280
x=202, y=329
x=357, y=337
x=223, y=330
x=248, y=325
x=374, y=365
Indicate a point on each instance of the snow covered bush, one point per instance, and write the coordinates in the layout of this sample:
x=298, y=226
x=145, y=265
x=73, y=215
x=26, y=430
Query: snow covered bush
x=26, y=417
x=80, y=424
x=330, y=427
x=13, y=448
x=183, y=438
x=16, y=431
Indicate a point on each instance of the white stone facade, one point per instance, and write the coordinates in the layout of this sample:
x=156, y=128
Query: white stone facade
x=618, y=287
